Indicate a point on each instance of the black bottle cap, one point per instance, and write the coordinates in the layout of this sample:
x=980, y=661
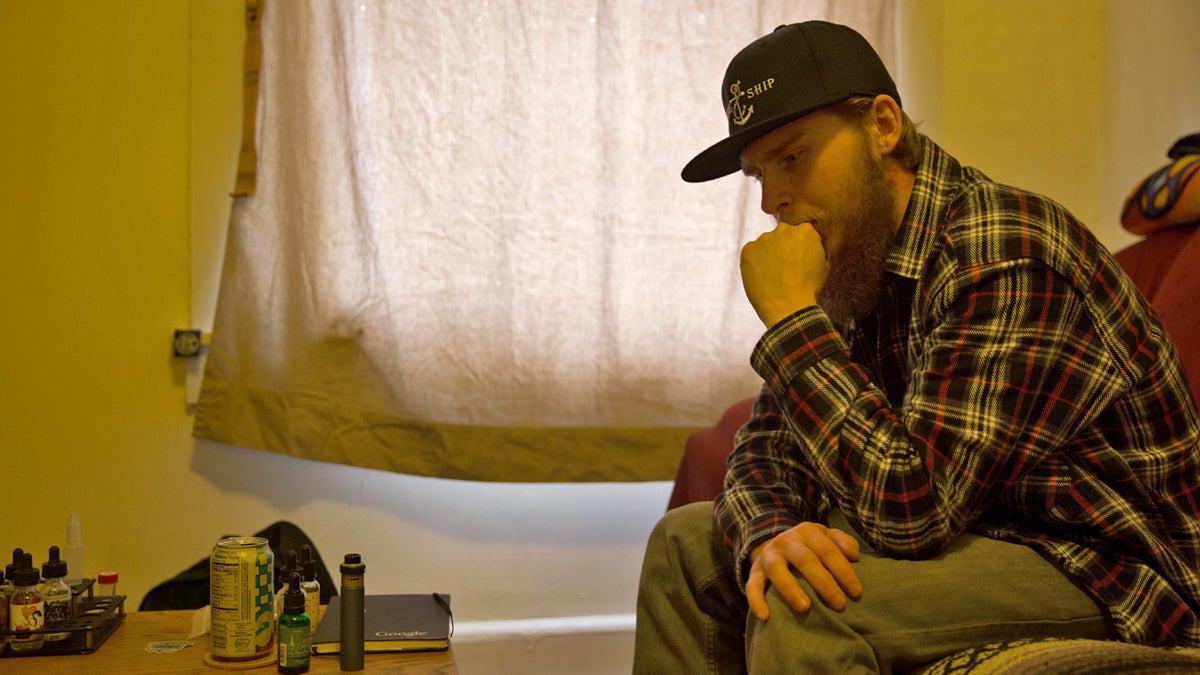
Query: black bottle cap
x=55, y=567
x=18, y=556
x=353, y=564
x=293, y=600
x=26, y=574
x=308, y=566
x=292, y=565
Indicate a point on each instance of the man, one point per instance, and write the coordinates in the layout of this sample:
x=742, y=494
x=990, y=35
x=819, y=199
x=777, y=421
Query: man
x=971, y=427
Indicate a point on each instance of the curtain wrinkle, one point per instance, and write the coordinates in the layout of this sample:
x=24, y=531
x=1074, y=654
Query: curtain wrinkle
x=470, y=254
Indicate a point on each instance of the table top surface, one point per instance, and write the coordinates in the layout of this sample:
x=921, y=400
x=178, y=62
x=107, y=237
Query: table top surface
x=125, y=652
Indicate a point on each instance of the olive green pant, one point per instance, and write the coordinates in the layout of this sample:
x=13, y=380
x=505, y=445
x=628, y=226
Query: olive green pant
x=692, y=618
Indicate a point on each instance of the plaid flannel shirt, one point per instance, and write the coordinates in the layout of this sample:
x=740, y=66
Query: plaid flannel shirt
x=1013, y=383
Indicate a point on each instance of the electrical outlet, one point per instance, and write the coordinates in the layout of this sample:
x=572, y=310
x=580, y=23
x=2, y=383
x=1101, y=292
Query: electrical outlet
x=188, y=342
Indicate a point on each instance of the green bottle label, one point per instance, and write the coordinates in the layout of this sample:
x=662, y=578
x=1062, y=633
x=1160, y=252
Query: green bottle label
x=295, y=644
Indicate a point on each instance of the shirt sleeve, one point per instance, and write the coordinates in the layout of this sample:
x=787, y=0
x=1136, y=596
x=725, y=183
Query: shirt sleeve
x=1006, y=366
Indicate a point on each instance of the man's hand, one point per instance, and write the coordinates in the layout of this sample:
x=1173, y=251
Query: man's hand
x=783, y=271
x=820, y=554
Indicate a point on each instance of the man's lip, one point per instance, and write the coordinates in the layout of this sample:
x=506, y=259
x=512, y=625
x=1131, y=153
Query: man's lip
x=793, y=220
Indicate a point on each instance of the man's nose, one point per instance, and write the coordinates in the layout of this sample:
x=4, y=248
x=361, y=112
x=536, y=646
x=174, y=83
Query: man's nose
x=775, y=197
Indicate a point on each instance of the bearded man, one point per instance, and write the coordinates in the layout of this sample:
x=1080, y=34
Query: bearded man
x=971, y=429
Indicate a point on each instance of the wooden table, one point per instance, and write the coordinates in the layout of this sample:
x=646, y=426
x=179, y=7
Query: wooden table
x=125, y=652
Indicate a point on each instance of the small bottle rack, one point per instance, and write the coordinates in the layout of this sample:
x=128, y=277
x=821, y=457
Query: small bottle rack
x=95, y=619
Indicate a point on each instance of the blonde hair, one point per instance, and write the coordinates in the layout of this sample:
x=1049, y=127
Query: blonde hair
x=908, y=150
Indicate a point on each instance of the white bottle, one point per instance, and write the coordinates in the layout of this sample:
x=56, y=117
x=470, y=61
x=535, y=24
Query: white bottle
x=73, y=551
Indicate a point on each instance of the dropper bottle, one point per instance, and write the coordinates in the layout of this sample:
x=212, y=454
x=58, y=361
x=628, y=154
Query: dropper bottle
x=292, y=565
x=4, y=588
x=56, y=594
x=6, y=592
x=311, y=587
x=26, y=609
x=294, y=641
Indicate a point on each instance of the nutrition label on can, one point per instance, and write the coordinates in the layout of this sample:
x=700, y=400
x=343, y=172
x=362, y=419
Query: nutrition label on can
x=228, y=585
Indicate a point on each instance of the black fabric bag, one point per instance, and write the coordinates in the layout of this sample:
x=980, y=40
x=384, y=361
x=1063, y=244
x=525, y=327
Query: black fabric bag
x=190, y=588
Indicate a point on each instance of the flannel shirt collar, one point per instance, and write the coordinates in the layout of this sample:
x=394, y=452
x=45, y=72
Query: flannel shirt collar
x=939, y=178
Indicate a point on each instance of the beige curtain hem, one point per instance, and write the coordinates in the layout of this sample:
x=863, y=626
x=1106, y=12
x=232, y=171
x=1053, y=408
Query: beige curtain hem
x=312, y=426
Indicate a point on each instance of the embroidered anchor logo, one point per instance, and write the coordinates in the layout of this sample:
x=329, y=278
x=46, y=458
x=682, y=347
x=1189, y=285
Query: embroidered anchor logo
x=738, y=114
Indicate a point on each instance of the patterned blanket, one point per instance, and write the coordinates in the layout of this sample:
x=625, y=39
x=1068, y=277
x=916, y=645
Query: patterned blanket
x=1061, y=656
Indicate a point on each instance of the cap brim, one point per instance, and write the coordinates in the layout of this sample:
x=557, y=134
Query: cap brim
x=725, y=157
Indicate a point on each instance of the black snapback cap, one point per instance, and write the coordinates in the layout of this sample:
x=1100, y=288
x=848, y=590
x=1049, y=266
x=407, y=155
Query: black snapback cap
x=783, y=76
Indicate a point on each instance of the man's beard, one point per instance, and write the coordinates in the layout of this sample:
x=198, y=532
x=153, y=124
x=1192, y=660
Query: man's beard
x=856, y=268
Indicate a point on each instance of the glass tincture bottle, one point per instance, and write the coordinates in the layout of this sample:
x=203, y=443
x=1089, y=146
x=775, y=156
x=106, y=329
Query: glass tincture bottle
x=6, y=592
x=295, y=643
x=56, y=594
x=5, y=586
x=26, y=609
x=292, y=565
x=311, y=587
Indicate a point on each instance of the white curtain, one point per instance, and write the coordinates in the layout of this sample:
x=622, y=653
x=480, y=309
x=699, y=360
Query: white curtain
x=470, y=253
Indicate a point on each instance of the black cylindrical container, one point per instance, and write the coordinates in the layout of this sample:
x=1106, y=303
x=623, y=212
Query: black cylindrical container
x=353, y=571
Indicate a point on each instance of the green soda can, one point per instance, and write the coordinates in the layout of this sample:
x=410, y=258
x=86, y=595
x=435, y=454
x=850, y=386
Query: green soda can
x=242, y=598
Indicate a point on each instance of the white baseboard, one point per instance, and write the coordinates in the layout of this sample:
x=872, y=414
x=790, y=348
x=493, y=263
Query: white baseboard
x=535, y=629
x=571, y=645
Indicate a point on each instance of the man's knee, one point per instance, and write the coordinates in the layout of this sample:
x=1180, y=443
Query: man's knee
x=679, y=535
x=684, y=521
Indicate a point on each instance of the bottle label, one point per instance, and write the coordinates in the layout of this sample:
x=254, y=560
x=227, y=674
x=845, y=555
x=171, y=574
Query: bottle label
x=58, y=611
x=27, y=617
x=312, y=604
x=294, y=646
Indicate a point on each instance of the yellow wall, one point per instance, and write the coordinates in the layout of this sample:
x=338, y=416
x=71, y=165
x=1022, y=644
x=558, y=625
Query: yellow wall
x=1018, y=99
x=96, y=187
x=1078, y=100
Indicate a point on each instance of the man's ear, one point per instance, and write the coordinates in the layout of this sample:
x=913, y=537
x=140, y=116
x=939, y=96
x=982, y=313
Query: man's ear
x=886, y=124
